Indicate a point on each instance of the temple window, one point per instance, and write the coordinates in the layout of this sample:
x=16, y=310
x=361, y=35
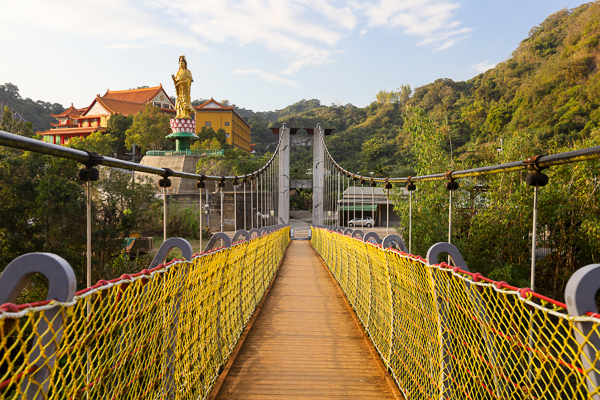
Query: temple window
x=207, y=124
x=226, y=123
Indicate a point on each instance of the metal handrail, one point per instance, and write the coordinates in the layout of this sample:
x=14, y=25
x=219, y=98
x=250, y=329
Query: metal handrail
x=86, y=158
x=591, y=153
x=190, y=152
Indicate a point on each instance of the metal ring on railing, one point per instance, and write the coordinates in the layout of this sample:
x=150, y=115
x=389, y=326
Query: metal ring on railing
x=372, y=235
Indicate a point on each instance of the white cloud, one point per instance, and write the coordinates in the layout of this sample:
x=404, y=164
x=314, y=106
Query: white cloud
x=118, y=22
x=300, y=32
x=124, y=46
x=304, y=32
x=269, y=77
x=483, y=66
x=433, y=20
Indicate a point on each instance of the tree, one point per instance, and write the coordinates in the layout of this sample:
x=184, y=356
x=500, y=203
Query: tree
x=12, y=124
x=208, y=144
x=42, y=208
x=149, y=129
x=118, y=125
x=97, y=141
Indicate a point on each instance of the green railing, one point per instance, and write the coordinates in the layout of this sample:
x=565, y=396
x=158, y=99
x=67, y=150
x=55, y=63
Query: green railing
x=204, y=152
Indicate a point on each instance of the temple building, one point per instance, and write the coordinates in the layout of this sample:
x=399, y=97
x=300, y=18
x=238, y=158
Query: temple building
x=82, y=122
x=213, y=114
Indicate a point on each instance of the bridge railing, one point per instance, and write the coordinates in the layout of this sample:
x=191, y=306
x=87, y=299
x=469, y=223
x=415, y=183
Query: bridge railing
x=446, y=333
x=190, y=152
x=163, y=333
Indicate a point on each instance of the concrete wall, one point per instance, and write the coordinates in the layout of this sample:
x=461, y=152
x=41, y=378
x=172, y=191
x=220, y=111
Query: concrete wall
x=176, y=163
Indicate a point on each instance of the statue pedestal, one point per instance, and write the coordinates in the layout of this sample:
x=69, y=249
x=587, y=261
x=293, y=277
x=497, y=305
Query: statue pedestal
x=183, y=132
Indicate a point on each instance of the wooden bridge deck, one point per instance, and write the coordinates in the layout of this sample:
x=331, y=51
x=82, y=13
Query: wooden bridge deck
x=305, y=342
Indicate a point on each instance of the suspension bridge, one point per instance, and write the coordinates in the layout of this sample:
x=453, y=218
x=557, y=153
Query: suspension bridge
x=266, y=314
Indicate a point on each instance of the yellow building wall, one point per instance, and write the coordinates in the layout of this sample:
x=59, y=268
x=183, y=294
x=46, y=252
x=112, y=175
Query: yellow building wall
x=241, y=133
x=238, y=129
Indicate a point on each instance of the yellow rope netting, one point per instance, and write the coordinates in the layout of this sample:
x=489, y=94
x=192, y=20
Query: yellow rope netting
x=160, y=334
x=444, y=335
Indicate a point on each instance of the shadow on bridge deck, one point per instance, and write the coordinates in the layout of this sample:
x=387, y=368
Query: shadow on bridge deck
x=305, y=342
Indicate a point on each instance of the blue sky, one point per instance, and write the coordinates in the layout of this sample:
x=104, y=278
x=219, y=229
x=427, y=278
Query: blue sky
x=258, y=54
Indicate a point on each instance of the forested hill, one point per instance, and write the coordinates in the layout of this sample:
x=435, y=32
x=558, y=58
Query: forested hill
x=36, y=112
x=549, y=87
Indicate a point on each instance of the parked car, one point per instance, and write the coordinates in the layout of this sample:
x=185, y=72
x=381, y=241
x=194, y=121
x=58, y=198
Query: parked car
x=368, y=222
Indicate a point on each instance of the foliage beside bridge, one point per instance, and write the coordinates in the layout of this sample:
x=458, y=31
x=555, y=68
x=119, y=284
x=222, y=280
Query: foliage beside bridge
x=492, y=214
x=42, y=208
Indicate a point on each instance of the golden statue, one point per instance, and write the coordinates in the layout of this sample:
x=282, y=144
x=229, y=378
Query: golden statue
x=183, y=82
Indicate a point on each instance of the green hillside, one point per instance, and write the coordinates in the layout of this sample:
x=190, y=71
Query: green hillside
x=549, y=86
x=36, y=112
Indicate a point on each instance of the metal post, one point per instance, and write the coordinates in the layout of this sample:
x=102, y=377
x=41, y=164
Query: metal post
x=245, y=226
x=89, y=233
x=89, y=269
x=234, y=208
x=534, y=236
x=262, y=202
x=207, y=210
x=387, y=222
x=337, y=203
x=362, y=202
x=200, y=191
x=348, y=181
x=372, y=208
x=354, y=199
x=251, y=205
x=271, y=195
x=450, y=218
x=164, y=214
x=347, y=187
x=531, y=332
x=410, y=223
x=222, y=197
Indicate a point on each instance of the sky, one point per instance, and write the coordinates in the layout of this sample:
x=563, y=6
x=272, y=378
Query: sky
x=259, y=54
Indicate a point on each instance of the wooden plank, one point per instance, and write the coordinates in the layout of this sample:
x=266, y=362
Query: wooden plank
x=305, y=342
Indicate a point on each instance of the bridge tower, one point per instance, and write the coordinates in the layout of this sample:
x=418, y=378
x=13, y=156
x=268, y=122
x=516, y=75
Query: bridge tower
x=318, y=175
x=284, y=176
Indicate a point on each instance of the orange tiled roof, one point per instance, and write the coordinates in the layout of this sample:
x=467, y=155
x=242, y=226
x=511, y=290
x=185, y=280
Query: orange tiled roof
x=73, y=131
x=68, y=112
x=116, y=106
x=221, y=106
x=135, y=95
